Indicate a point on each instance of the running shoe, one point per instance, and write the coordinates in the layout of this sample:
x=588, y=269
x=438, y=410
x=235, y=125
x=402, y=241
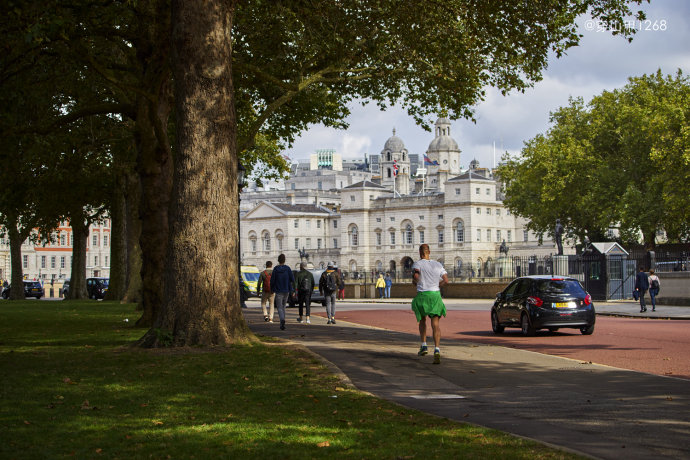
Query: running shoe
x=437, y=357
x=423, y=350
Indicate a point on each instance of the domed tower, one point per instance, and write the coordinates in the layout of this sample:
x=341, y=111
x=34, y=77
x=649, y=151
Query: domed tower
x=395, y=165
x=443, y=156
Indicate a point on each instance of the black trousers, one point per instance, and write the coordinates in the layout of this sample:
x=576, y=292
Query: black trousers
x=304, y=299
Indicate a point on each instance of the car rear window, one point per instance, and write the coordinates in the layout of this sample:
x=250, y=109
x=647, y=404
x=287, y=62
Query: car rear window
x=558, y=287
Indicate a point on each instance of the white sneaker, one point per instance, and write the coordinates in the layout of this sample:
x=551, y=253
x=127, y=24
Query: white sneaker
x=308, y=322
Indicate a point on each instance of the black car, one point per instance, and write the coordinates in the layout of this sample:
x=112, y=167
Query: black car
x=97, y=288
x=543, y=302
x=316, y=296
x=31, y=289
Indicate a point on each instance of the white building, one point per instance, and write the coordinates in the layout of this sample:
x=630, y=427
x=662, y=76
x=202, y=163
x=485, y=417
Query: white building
x=271, y=229
x=379, y=226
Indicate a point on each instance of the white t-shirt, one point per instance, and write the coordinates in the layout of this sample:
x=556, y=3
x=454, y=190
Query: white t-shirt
x=430, y=273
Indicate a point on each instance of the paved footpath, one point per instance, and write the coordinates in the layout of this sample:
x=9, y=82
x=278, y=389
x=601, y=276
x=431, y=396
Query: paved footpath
x=595, y=410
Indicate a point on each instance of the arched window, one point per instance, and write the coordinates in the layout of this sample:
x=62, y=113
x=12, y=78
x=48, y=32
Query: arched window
x=460, y=233
x=266, y=238
x=388, y=156
x=388, y=172
x=408, y=234
x=404, y=157
x=379, y=266
x=354, y=236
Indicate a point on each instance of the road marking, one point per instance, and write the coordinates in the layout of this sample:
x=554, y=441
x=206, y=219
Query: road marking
x=448, y=396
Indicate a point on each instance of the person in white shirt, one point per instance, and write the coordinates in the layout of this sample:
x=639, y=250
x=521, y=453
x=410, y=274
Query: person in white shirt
x=429, y=276
x=654, y=286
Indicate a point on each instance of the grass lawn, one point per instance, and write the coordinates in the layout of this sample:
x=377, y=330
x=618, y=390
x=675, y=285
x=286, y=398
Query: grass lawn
x=73, y=387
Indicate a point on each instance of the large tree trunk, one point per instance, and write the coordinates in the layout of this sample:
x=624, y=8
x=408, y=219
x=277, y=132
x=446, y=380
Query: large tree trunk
x=202, y=303
x=17, y=280
x=154, y=162
x=80, y=233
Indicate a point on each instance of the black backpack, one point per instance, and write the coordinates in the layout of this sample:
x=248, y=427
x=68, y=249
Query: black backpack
x=655, y=284
x=304, y=284
x=331, y=285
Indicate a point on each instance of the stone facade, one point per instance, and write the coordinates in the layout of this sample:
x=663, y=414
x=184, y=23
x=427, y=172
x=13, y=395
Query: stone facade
x=379, y=225
x=54, y=260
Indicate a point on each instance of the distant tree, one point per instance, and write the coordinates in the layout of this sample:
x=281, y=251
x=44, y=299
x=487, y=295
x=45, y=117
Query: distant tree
x=619, y=161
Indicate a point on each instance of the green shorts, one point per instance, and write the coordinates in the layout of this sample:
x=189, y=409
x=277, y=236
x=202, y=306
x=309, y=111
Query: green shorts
x=428, y=303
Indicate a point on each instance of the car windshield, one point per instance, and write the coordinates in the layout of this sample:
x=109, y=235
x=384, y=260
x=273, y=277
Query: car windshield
x=105, y=282
x=250, y=276
x=560, y=287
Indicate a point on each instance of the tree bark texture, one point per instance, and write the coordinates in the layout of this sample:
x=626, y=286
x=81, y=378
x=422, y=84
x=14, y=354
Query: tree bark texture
x=134, y=284
x=202, y=304
x=80, y=234
x=154, y=161
x=118, y=235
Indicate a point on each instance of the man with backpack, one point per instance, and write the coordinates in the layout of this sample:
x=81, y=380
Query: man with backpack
x=305, y=285
x=263, y=286
x=283, y=285
x=328, y=286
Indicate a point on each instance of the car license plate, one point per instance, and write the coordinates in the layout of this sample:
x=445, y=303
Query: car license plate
x=565, y=305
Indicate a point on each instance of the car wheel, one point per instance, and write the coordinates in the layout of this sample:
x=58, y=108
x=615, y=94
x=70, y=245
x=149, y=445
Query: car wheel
x=497, y=328
x=527, y=329
x=587, y=330
x=5, y=296
x=38, y=297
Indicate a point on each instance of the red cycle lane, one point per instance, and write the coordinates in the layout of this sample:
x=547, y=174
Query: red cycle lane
x=660, y=347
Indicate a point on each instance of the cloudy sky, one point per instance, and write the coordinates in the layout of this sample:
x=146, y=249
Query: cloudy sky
x=601, y=62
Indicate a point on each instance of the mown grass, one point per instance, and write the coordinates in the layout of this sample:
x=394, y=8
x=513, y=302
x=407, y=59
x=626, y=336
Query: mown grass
x=72, y=386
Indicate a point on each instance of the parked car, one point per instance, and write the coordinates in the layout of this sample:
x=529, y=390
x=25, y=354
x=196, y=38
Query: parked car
x=316, y=296
x=31, y=289
x=97, y=288
x=543, y=302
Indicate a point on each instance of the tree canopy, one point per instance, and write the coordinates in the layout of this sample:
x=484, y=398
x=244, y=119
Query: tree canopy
x=621, y=161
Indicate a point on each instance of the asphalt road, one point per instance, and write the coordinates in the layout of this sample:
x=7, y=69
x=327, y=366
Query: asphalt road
x=576, y=403
x=656, y=346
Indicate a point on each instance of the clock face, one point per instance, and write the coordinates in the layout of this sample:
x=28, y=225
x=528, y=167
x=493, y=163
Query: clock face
x=445, y=162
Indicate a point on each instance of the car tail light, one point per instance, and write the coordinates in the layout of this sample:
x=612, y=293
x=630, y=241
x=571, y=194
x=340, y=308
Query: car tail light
x=588, y=299
x=536, y=301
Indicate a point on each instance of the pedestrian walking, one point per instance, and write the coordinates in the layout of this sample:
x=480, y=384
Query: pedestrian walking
x=654, y=286
x=263, y=286
x=244, y=293
x=283, y=285
x=381, y=285
x=305, y=286
x=328, y=285
x=389, y=283
x=429, y=276
x=641, y=286
x=341, y=287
